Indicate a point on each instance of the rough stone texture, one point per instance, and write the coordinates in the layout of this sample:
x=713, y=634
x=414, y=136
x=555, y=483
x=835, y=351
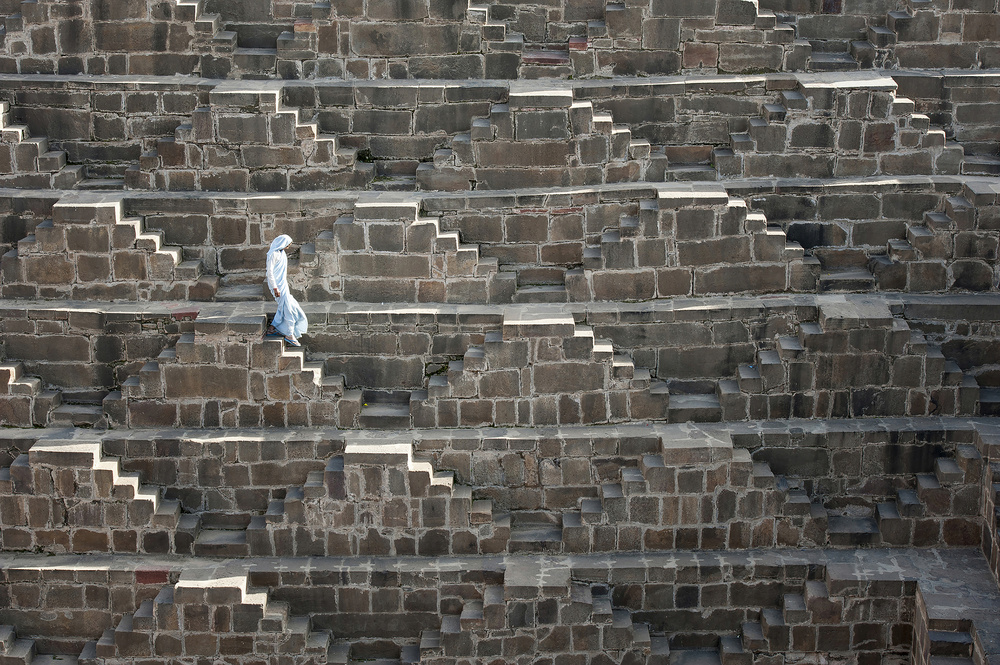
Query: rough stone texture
x=635, y=327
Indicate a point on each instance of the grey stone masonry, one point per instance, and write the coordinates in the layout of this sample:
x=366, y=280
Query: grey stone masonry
x=23, y=401
x=904, y=603
x=953, y=247
x=538, y=138
x=28, y=162
x=857, y=360
x=539, y=369
x=987, y=440
x=246, y=140
x=456, y=40
x=386, y=251
x=89, y=250
x=691, y=242
x=831, y=126
x=224, y=373
x=65, y=495
x=208, y=612
x=905, y=35
x=541, y=611
x=378, y=499
x=451, y=39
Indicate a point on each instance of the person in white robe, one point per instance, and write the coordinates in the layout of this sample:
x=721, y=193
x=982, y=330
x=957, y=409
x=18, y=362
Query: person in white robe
x=289, y=321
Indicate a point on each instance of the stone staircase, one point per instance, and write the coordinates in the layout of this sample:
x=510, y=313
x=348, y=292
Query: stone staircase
x=247, y=140
x=951, y=238
x=538, y=138
x=559, y=357
x=734, y=36
x=216, y=45
x=696, y=242
x=28, y=162
x=548, y=611
x=873, y=131
x=386, y=250
x=65, y=495
x=24, y=402
x=16, y=650
x=211, y=607
x=229, y=359
x=951, y=491
x=640, y=511
x=831, y=368
x=58, y=261
x=378, y=499
x=509, y=49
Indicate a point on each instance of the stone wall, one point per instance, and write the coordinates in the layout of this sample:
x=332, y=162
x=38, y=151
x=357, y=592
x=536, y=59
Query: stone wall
x=108, y=129
x=662, y=488
x=452, y=39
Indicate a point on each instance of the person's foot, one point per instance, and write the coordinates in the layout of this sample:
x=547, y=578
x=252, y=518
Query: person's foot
x=271, y=332
x=292, y=341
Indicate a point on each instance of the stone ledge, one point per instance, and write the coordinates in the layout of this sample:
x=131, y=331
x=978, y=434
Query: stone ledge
x=659, y=311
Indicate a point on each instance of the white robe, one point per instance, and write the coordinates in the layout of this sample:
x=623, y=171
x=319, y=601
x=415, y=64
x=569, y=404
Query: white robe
x=289, y=320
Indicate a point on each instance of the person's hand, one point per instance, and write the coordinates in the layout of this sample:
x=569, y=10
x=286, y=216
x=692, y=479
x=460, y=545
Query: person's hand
x=276, y=294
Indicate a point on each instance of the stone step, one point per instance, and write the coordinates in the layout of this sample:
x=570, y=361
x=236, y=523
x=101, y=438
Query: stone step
x=731, y=651
x=54, y=659
x=395, y=183
x=847, y=279
x=535, y=538
x=227, y=543
x=541, y=293
x=430, y=642
x=380, y=410
x=749, y=379
x=989, y=401
x=773, y=112
x=752, y=636
x=240, y=293
x=794, y=100
x=545, y=57
x=78, y=415
x=908, y=503
x=848, y=531
x=261, y=60
x=789, y=347
x=793, y=609
x=409, y=654
x=832, y=62
x=659, y=650
x=699, y=408
x=101, y=184
x=741, y=142
x=947, y=471
x=695, y=657
x=21, y=651
x=881, y=37
x=691, y=173
x=980, y=165
x=901, y=250
x=950, y=643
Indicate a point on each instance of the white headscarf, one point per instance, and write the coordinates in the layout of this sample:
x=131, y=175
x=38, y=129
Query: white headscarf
x=280, y=243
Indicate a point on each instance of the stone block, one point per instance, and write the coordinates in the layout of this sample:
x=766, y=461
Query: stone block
x=557, y=378
x=661, y=33
x=749, y=58
x=384, y=40
x=205, y=381
x=738, y=279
